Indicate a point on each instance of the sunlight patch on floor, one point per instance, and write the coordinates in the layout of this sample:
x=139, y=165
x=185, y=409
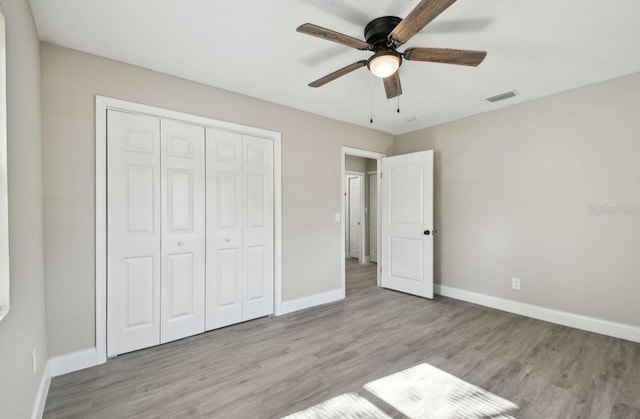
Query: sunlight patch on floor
x=426, y=392
x=420, y=392
x=348, y=405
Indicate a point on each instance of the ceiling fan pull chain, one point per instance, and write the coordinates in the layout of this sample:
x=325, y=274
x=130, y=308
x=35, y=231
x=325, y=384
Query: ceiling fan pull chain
x=398, y=110
x=371, y=99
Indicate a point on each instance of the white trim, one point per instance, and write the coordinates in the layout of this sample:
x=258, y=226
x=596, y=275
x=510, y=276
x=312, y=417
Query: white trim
x=277, y=226
x=369, y=155
x=75, y=361
x=366, y=260
x=379, y=229
x=373, y=155
x=101, y=228
x=347, y=233
x=311, y=301
x=369, y=174
x=102, y=105
x=5, y=293
x=43, y=392
x=590, y=324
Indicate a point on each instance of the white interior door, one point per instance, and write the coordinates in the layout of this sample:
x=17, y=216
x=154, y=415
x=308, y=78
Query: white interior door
x=224, y=228
x=407, y=223
x=183, y=230
x=257, y=248
x=355, y=190
x=373, y=217
x=133, y=232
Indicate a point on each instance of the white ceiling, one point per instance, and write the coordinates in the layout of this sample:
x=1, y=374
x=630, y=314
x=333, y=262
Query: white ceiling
x=251, y=47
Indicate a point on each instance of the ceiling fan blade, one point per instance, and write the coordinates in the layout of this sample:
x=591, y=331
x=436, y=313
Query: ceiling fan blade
x=392, y=85
x=445, y=55
x=329, y=35
x=339, y=73
x=418, y=18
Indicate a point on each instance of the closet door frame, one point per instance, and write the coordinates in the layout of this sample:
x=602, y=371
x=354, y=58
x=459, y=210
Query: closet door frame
x=102, y=105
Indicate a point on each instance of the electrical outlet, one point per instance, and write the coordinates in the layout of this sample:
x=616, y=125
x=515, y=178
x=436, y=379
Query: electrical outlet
x=337, y=217
x=34, y=360
x=515, y=284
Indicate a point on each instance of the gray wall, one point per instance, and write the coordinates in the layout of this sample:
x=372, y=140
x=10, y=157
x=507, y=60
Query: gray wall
x=514, y=189
x=311, y=152
x=355, y=163
x=25, y=326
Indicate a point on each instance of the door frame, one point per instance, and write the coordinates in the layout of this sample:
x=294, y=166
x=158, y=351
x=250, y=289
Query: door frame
x=362, y=259
x=369, y=174
x=369, y=155
x=106, y=103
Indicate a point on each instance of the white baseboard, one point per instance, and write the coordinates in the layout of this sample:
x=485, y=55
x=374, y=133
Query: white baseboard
x=43, y=391
x=311, y=301
x=75, y=361
x=590, y=324
x=59, y=365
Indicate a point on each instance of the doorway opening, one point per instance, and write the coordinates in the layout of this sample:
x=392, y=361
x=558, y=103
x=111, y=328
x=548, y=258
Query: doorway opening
x=360, y=203
x=356, y=215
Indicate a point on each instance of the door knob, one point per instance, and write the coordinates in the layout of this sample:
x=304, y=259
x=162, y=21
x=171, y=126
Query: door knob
x=228, y=239
x=427, y=232
x=180, y=243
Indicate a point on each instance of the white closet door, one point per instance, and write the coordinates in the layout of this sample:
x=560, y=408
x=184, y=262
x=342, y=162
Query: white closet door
x=133, y=211
x=224, y=229
x=183, y=230
x=257, y=228
x=373, y=217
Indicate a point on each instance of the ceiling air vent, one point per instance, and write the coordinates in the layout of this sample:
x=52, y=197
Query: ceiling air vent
x=501, y=96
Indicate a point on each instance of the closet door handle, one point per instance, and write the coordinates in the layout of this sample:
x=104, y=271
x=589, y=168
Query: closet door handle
x=181, y=243
x=228, y=239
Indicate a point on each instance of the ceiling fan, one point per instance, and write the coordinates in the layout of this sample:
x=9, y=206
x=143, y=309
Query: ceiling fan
x=384, y=36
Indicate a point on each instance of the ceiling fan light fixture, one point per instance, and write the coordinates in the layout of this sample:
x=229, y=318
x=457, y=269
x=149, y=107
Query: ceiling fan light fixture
x=384, y=63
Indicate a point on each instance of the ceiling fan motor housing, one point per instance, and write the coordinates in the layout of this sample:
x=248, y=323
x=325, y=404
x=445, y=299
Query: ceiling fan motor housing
x=377, y=31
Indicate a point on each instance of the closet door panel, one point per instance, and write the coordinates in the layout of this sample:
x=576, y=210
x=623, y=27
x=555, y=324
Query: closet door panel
x=183, y=230
x=133, y=232
x=225, y=272
x=139, y=293
x=257, y=227
x=181, y=286
x=228, y=292
x=256, y=275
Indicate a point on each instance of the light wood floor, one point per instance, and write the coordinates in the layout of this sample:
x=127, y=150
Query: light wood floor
x=275, y=366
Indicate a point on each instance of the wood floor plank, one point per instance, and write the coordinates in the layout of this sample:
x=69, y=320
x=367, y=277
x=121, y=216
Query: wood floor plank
x=272, y=367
